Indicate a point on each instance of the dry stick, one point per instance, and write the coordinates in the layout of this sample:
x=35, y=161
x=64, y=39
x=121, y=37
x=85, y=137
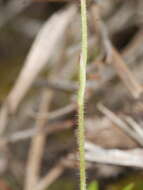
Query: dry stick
x=136, y=127
x=57, y=113
x=53, y=174
x=114, y=57
x=37, y=145
x=28, y=133
x=67, y=162
x=127, y=77
x=132, y=158
x=115, y=119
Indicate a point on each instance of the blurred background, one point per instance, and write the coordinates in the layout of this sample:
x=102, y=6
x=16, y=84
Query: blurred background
x=39, y=62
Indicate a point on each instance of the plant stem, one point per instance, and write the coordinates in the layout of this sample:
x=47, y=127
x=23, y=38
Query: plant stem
x=81, y=96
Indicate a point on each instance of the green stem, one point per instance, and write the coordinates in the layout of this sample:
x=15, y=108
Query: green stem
x=81, y=96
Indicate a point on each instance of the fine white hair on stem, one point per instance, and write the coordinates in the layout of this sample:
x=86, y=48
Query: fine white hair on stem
x=81, y=96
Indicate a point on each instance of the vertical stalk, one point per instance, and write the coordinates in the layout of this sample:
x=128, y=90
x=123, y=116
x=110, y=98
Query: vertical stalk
x=81, y=95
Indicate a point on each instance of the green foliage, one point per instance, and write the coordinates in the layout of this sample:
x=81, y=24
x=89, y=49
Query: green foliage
x=93, y=186
x=129, y=187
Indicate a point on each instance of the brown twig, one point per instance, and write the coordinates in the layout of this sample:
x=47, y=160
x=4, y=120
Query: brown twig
x=114, y=57
x=51, y=176
x=28, y=133
x=120, y=123
x=37, y=145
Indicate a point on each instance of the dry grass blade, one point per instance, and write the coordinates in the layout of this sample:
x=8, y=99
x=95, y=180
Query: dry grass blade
x=136, y=127
x=120, y=123
x=47, y=39
x=131, y=158
x=37, y=59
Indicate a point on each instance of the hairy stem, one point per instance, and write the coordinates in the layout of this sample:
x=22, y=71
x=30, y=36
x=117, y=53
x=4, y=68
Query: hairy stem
x=81, y=96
